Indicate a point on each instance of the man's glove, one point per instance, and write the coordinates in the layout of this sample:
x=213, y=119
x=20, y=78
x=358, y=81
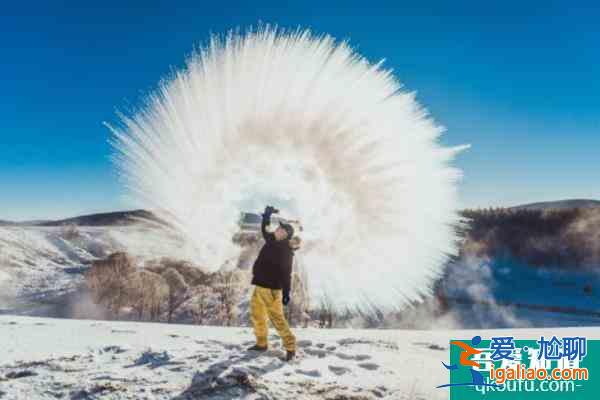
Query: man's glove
x=285, y=299
x=269, y=210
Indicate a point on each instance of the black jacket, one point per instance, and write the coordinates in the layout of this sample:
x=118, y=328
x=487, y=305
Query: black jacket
x=273, y=266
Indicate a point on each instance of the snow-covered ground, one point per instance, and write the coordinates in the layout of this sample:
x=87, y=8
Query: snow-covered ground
x=43, y=358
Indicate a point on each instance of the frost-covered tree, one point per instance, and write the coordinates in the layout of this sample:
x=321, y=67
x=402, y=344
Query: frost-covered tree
x=296, y=311
x=178, y=291
x=228, y=288
x=107, y=281
x=203, y=303
x=147, y=292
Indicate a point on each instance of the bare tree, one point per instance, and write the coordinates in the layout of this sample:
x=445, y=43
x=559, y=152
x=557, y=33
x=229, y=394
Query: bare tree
x=326, y=313
x=228, y=289
x=203, y=299
x=193, y=275
x=107, y=281
x=296, y=311
x=147, y=291
x=178, y=291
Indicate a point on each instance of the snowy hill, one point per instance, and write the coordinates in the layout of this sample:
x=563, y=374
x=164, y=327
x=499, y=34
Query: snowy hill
x=41, y=264
x=98, y=219
x=52, y=358
x=103, y=219
x=559, y=204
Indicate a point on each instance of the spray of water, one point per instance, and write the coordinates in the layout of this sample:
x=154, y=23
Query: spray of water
x=305, y=124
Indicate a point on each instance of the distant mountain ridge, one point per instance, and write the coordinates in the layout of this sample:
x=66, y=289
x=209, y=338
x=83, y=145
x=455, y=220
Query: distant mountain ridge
x=559, y=205
x=128, y=217
x=99, y=219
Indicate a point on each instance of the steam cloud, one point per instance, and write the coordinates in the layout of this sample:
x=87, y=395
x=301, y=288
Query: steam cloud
x=305, y=124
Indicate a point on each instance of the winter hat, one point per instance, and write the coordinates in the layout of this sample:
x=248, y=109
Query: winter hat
x=288, y=228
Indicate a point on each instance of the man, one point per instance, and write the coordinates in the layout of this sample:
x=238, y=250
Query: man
x=272, y=274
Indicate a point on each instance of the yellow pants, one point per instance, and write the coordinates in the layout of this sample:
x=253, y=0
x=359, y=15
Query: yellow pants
x=266, y=305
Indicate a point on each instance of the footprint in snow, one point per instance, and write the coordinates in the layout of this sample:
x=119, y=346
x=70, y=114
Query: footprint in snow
x=20, y=374
x=349, y=341
x=313, y=373
x=255, y=368
x=84, y=394
x=304, y=343
x=339, y=370
x=121, y=331
x=358, y=357
x=200, y=357
x=369, y=366
x=430, y=346
x=113, y=349
x=316, y=352
x=378, y=343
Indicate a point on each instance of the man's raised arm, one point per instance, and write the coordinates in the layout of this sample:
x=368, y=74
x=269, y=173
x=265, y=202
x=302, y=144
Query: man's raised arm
x=266, y=220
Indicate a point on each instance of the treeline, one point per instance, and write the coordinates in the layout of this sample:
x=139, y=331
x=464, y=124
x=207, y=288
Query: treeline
x=162, y=290
x=177, y=291
x=561, y=237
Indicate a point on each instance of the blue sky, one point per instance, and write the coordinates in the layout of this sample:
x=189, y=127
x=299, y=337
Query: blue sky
x=519, y=81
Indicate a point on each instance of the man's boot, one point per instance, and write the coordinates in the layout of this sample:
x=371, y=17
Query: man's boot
x=257, y=348
x=290, y=355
